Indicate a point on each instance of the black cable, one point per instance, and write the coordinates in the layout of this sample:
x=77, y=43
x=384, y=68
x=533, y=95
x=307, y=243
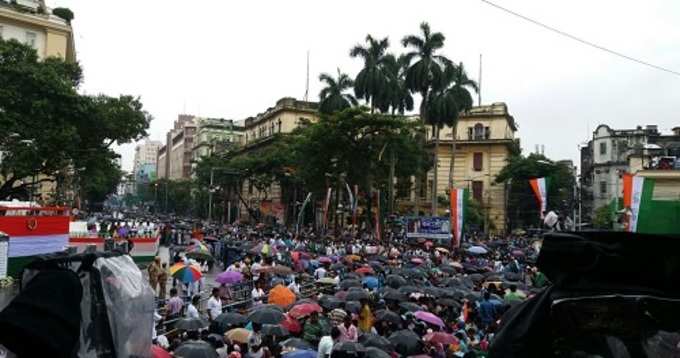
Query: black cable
x=585, y=42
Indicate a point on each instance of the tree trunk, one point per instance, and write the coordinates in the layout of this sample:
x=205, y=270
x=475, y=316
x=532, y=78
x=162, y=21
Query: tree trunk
x=435, y=129
x=454, y=131
x=423, y=139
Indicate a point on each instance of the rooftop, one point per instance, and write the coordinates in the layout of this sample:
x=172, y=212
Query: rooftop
x=285, y=103
x=33, y=10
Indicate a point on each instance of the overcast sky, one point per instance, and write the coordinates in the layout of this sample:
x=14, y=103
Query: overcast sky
x=233, y=59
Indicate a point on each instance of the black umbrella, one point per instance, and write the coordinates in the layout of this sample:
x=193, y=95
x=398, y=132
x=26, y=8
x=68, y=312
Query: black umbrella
x=196, y=349
x=352, y=276
x=348, y=350
x=230, y=319
x=476, y=277
x=512, y=276
x=377, y=341
x=191, y=324
x=432, y=291
x=410, y=306
x=274, y=330
x=330, y=302
x=452, y=282
x=473, y=296
x=449, y=302
x=389, y=316
x=337, y=266
x=406, y=342
x=394, y=295
x=345, y=284
x=377, y=266
x=409, y=289
x=447, y=269
x=266, y=316
x=266, y=307
x=296, y=343
x=215, y=340
x=373, y=352
x=356, y=295
x=395, y=281
x=353, y=307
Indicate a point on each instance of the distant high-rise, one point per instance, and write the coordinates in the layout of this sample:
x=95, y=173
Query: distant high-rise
x=174, y=158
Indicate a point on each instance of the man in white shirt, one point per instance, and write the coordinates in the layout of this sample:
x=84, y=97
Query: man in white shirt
x=192, y=309
x=294, y=287
x=327, y=342
x=214, y=304
x=320, y=273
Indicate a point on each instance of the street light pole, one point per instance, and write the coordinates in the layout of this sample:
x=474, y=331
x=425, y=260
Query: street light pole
x=210, y=190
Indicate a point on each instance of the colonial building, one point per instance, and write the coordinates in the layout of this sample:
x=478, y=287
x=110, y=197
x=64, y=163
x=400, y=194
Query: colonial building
x=215, y=135
x=485, y=138
x=287, y=115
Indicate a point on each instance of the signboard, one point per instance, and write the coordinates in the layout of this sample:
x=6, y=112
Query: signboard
x=4, y=254
x=428, y=228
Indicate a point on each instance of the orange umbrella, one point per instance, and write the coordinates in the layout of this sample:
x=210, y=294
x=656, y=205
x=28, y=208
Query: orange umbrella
x=281, y=296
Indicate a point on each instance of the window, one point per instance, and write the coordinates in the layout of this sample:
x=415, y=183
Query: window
x=487, y=133
x=603, y=148
x=470, y=133
x=477, y=190
x=478, y=161
x=603, y=188
x=478, y=132
x=30, y=38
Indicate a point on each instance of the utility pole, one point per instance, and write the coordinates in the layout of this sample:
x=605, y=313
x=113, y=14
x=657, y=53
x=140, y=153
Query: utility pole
x=210, y=191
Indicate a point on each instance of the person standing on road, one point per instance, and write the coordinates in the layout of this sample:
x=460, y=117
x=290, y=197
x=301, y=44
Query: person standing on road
x=192, y=309
x=154, y=270
x=174, y=306
x=214, y=304
x=163, y=276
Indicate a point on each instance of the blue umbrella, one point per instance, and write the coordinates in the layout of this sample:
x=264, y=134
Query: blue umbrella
x=371, y=282
x=300, y=353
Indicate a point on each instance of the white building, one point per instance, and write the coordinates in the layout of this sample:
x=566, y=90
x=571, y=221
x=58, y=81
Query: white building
x=146, y=154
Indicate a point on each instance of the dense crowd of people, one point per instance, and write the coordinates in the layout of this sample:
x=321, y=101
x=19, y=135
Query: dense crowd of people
x=343, y=295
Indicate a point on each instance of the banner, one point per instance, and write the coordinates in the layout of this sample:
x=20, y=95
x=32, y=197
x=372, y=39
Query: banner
x=428, y=228
x=302, y=212
x=633, y=186
x=378, y=230
x=354, y=208
x=540, y=189
x=458, y=198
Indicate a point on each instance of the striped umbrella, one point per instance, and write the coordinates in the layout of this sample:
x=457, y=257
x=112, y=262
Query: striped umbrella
x=185, y=273
x=199, y=252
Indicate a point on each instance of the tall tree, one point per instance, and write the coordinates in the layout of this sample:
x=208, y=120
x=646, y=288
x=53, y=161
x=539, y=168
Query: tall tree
x=397, y=96
x=333, y=97
x=457, y=86
x=372, y=81
x=425, y=73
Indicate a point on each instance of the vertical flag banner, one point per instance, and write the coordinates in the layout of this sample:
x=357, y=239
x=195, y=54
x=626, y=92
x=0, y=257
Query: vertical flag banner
x=301, y=215
x=326, y=204
x=540, y=189
x=377, y=215
x=633, y=186
x=457, y=211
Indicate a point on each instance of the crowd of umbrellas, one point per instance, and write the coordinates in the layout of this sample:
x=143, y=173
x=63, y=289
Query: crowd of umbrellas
x=423, y=299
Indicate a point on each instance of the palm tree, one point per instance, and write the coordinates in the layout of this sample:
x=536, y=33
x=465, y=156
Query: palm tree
x=397, y=97
x=372, y=81
x=333, y=97
x=460, y=92
x=422, y=76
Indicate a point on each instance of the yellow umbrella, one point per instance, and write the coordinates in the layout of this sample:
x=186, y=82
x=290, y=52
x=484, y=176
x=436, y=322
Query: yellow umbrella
x=281, y=296
x=239, y=335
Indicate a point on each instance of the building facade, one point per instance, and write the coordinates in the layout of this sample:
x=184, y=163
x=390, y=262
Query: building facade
x=485, y=138
x=260, y=130
x=214, y=135
x=173, y=160
x=145, y=162
x=611, y=153
x=32, y=23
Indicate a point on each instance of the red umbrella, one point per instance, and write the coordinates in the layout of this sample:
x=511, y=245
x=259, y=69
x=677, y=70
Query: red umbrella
x=158, y=352
x=304, y=310
x=441, y=337
x=364, y=270
x=291, y=324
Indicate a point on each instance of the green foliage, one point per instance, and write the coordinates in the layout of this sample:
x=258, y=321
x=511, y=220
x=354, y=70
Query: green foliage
x=49, y=127
x=373, y=80
x=523, y=210
x=333, y=98
x=603, y=218
x=64, y=13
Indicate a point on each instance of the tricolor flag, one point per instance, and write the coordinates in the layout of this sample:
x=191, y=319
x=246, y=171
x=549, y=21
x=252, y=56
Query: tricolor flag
x=458, y=200
x=326, y=204
x=633, y=199
x=29, y=236
x=540, y=188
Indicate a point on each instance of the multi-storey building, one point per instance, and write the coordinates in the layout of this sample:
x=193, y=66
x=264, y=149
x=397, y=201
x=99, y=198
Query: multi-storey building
x=144, y=166
x=485, y=138
x=173, y=160
x=214, y=135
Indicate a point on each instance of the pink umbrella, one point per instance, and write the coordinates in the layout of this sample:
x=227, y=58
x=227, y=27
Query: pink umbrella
x=429, y=318
x=325, y=260
x=229, y=277
x=417, y=260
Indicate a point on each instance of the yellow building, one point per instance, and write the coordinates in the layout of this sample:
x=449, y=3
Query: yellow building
x=32, y=23
x=287, y=115
x=485, y=138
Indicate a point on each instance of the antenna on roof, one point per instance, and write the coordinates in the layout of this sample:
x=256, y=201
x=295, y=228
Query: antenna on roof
x=479, y=84
x=307, y=82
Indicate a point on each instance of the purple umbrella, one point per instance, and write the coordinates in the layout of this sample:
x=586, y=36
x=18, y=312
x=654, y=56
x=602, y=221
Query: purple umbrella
x=429, y=318
x=229, y=277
